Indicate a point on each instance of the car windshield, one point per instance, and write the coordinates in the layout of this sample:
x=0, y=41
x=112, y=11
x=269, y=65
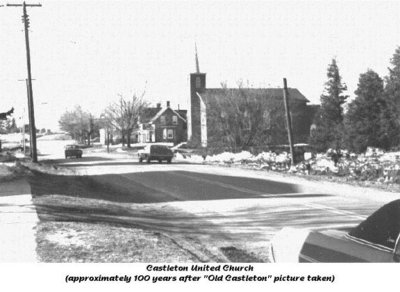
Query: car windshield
x=382, y=227
x=159, y=149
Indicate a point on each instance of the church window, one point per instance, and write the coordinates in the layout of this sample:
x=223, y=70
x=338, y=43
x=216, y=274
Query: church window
x=267, y=118
x=198, y=82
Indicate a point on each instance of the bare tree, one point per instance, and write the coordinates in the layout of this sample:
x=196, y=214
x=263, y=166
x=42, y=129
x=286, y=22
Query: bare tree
x=93, y=127
x=245, y=118
x=123, y=115
x=79, y=124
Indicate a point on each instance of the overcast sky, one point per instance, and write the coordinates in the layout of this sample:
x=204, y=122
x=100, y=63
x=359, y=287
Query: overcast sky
x=87, y=52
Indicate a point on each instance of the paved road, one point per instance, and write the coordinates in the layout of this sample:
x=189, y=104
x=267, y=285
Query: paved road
x=223, y=206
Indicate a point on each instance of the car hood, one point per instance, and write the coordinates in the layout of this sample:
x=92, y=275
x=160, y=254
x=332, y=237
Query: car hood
x=286, y=245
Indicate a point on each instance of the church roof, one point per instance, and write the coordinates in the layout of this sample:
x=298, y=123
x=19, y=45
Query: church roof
x=294, y=93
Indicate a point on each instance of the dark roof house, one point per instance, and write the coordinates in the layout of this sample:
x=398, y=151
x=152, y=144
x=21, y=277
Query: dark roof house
x=162, y=124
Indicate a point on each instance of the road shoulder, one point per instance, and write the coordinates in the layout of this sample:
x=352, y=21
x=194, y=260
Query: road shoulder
x=18, y=221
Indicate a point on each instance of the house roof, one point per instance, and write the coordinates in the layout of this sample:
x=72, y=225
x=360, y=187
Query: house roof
x=150, y=114
x=182, y=113
x=161, y=111
x=294, y=93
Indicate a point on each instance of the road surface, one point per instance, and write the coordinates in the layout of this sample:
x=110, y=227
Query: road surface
x=224, y=207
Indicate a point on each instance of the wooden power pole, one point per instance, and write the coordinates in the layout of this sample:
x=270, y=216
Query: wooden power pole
x=31, y=111
x=288, y=119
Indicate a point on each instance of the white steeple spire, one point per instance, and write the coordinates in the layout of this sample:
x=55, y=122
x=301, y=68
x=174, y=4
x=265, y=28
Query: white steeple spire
x=197, y=59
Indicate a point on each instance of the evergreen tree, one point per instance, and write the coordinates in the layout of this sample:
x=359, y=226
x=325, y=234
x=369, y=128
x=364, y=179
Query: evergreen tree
x=368, y=120
x=392, y=93
x=329, y=131
x=11, y=126
x=3, y=127
x=393, y=80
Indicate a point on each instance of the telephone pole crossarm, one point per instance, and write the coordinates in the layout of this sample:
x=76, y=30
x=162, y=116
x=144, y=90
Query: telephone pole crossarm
x=27, y=5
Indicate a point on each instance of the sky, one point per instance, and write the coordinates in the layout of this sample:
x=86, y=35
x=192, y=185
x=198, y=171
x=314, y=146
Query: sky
x=87, y=53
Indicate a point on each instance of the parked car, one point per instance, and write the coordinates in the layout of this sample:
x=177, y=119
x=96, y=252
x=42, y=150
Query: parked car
x=376, y=239
x=155, y=152
x=73, y=151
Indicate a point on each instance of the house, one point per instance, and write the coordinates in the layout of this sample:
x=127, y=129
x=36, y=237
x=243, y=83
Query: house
x=201, y=130
x=162, y=124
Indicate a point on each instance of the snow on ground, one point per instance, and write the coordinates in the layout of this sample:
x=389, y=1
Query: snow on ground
x=373, y=165
x=120, y=150
x=10, y=138
x=66, y=238
x=189, y=158
x=11, y=141
x=245, y=156
x=53, y=148
x=229, y=157
x=18, y=137
x=52, y=137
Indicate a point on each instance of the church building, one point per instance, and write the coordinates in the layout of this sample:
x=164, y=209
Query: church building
x=203, y=129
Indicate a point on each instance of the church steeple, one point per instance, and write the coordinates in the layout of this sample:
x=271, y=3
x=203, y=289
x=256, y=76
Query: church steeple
x=197, y=87
x=197, y=79
x=197, y=59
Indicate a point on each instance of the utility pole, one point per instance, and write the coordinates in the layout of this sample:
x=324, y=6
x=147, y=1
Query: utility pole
x=30, y=136
x=25, y=20
x=108, y=140
x=288, y=119
x=23, y=137
x=32, y=128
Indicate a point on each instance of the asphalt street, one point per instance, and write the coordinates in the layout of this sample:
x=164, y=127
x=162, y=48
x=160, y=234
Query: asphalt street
x=219, y=205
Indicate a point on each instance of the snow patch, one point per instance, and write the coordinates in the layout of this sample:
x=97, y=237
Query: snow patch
x=66, y=238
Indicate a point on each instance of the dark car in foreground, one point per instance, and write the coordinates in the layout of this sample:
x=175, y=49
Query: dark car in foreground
x=155, y=152
x=73, y=151
x=376, y=239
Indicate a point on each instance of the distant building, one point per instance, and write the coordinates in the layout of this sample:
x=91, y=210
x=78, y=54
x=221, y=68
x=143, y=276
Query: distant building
x=162, y=124
x=203, y=98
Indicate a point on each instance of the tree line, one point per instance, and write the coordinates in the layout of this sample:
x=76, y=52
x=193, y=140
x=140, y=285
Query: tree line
x=372, y=119
x=8, y=126
x=120, y=117
x=238, y=120
x=243, y=119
